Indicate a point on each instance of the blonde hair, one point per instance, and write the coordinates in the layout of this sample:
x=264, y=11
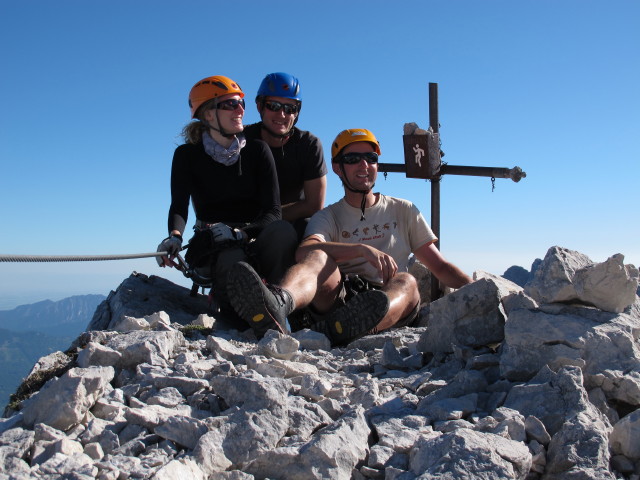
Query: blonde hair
x=192, y=131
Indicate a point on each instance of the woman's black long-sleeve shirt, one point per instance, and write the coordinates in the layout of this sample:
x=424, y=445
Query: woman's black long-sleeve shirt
x=243, y=193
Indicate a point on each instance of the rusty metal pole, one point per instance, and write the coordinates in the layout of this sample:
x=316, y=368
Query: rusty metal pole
x=435, y=184
x=434, y=169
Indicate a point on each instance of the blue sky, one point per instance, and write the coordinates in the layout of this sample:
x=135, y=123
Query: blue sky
x=93, y=96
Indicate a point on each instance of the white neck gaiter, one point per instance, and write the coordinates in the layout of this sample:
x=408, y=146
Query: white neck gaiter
x=220, y=154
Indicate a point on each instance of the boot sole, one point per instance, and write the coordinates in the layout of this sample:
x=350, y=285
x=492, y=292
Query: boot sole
x=359, y=316
x=245, y=291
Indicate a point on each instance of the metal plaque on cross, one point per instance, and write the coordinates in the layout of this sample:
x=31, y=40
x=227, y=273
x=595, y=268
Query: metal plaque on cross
x=422, y=155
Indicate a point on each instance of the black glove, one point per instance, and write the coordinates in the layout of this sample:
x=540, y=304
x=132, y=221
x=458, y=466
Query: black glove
x=171, y=245
x=223, y=233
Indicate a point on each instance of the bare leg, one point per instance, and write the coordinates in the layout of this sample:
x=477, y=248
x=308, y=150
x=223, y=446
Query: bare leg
x=314, y=280
x=403, y=294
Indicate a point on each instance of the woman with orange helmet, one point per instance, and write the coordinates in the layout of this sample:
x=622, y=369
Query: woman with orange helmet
x=232, y=186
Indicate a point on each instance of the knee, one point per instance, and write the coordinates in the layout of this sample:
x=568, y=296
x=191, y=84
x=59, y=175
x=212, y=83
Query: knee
x=408, y=284
x=278, y=228
x=408, y=280
x=227, y=258
x=279, y=234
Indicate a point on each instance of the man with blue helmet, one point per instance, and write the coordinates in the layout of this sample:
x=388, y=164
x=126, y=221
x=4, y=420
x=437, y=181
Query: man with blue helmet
x=297, y=153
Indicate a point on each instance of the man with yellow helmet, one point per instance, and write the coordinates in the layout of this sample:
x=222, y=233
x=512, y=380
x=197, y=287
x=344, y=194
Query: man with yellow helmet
x=232, y=186
x=351, y=277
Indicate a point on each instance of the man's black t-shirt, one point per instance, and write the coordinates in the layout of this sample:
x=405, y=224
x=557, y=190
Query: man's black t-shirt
x=297, y=161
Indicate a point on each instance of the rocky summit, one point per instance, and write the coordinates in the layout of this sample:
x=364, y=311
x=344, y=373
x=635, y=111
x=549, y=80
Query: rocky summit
x=498, y=381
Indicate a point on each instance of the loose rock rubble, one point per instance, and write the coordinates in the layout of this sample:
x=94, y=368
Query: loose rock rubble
x=497, y=382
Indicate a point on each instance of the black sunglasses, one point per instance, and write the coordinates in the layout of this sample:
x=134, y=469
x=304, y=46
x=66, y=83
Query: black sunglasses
x=277, y=106
x=230, y=104
x=356, y=157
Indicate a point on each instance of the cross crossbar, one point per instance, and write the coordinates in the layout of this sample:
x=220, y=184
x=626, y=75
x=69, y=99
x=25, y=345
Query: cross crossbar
x=423, y=159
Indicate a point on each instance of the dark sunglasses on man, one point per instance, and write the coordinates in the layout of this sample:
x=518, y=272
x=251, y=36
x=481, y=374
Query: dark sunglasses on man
x=288, y=108
x=356, y=157
x=230, y=104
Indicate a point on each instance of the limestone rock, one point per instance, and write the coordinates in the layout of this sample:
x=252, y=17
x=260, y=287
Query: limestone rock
x=155, y=348
x=498, y=382
x=141, y=295
x=463, y=452
x=568, y=276
x=610, y=286
x=625, y=437
x=97, y=354
x=552, y=281
x=204, y=320
x=79, y=387
x=471, y=316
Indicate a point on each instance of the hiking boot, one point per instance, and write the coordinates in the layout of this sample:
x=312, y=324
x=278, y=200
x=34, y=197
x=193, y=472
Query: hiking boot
x=300, y=319
x=355, y=319
x=263, y=306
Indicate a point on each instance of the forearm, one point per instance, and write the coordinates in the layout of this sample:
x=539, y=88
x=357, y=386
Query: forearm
x=176, y=222
x=313, y=201
x=384, y=264
x=181, y=189
x=339, y=252
x=269, y=195
x=444, y=271
x=254, y=228
x=301, y=209
x=452, y=276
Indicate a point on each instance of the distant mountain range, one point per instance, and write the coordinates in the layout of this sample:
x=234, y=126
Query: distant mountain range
x=29, y=332
x=68, y=316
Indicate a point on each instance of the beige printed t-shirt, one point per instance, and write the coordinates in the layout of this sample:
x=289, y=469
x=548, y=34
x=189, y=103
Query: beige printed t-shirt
x=393, y=225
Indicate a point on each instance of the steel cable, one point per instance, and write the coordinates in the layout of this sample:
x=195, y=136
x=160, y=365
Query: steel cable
x=76, y=258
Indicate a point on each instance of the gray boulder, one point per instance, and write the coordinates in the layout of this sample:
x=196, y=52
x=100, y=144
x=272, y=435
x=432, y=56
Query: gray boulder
x=471, y=316
x=141, y=295
x=498, y=382
x=560, y=335
x=79, y=387
x=466, y=453
x=568, y=276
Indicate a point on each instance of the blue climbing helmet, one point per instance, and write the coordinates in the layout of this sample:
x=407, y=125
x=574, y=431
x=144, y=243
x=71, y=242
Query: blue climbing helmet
x=279, y=85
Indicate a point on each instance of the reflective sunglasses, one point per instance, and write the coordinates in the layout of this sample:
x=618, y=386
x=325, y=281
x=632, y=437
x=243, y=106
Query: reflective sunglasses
x=277, y=106
x=230, y=104
x=356, y=157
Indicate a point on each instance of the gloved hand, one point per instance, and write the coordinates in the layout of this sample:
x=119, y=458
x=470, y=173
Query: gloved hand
x=172, y=246
x=223, y=233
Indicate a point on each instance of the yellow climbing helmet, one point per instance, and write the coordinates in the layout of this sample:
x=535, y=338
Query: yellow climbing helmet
x=209, y=88
x=353, y=135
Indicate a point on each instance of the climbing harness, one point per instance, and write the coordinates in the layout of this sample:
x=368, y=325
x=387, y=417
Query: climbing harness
x=199, y=262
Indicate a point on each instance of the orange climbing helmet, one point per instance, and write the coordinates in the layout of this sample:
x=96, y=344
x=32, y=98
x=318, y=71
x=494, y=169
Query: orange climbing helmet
x=353, y=135
x=211, y=87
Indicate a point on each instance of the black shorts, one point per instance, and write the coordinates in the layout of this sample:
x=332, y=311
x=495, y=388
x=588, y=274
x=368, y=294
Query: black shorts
x=352, y=285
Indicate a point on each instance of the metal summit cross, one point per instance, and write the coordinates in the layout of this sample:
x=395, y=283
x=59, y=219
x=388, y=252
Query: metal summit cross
x=423, y=159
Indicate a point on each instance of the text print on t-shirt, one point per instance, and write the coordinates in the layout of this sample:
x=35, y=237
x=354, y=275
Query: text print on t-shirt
x=369, y=232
